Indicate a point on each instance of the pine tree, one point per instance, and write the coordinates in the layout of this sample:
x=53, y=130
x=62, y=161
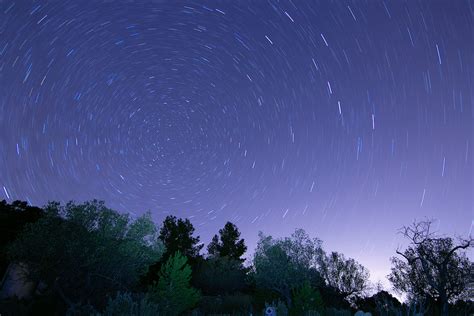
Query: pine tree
x=177, y=235
x=213, y=247
x=173, y=292
x=228, y=245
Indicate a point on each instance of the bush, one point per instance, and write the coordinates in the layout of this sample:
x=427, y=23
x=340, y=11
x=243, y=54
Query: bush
x=124, y=304
x=262, y=296
x=306, y=300
x=233, y=304
x=281, y=309
x=37, y=305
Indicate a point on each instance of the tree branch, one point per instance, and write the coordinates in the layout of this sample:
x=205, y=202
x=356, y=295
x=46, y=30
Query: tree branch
x=465, y=246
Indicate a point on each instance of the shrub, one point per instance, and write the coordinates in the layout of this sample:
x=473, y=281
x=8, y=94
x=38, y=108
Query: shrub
x=227, y=304
x=306, y=299
x=125, y=304
x=337, y=312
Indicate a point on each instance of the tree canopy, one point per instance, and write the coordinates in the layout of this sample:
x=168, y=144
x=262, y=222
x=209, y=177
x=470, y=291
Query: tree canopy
x=81, y=251
x=177, y=235
x=228, y=244
x=284, y=264
x=220, y=275
x=432, y=267
x=88, y=259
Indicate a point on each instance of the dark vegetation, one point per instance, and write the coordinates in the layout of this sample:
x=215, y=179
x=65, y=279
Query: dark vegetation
x=86, y=259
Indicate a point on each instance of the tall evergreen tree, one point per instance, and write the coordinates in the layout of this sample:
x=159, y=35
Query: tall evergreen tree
x=213, y=247
x=228, y=243
x=173, y=292
x=177, y=236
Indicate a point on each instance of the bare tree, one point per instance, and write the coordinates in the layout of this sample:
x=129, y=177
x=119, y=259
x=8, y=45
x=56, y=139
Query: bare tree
x=432, y=266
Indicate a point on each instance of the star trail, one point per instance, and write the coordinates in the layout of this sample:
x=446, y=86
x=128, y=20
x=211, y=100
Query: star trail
x=346, y=118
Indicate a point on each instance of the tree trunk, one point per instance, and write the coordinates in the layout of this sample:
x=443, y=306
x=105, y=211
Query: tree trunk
x=444, y=308
x=443, y=296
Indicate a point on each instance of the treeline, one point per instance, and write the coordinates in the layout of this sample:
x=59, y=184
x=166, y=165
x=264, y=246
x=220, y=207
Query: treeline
x=87, y=259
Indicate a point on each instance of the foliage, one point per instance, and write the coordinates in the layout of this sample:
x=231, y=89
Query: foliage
x=78, y=254
x=348, y=276
x=306, y=299
x=223, y=272
x=235, y=304
x=337, y=312
x=381, y=303
x=261, y=297
x=13, y=218
x=284, y=264
x=463, y=307
x=333, y=298
x=228, y=243
x=173, y=292
x=83, y=251
x=124, y=304
x=177, y=235
x=216, y=276
x=432, y=267
x=281, y=308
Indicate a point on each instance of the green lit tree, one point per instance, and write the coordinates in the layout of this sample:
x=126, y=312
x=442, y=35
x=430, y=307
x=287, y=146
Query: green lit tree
x=173, y=292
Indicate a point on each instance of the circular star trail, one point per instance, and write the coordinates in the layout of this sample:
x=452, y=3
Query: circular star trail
x=346, y=118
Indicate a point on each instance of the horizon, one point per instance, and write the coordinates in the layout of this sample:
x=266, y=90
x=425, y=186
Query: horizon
x=347, y=119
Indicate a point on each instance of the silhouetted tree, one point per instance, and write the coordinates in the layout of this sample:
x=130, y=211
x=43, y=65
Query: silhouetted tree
x=228, y=243
x=177, y=235
x=346, y=275
x=382, y=303
x=172, y=292
x=432, y=267
x=332, y=297
x=213, y=247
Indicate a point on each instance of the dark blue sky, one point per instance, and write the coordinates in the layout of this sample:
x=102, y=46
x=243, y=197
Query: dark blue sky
x=346, y=118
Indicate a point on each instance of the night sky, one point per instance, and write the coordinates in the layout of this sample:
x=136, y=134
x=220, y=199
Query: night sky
x=346, y=118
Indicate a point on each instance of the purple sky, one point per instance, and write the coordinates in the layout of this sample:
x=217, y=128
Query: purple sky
x=346, y=118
